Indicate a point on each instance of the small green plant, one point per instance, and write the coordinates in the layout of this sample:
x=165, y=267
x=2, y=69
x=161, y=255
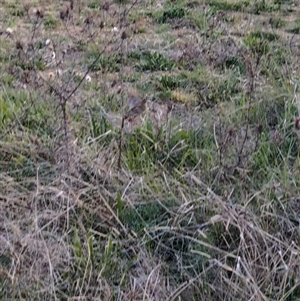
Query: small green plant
x=50, y=22
x=121, y=1
x=17, y=12
x=144, y=215
x=142, y=149
x=167, y=82
x=154, y=61
x=267, y=36
x=105, y=63
x=200, y=18
x=40, y=65
x=99, y=127
x=175, y=12
x=283, y=1
x=134, y=55
x=234, y=63
x=94, y=5
x=261, y=6
x=226, y=5
x=294, y=30
x=258, y=44
x=280, y=57
x=221, y=88
x=111, y=103
x=277, y=22
x=27, y=65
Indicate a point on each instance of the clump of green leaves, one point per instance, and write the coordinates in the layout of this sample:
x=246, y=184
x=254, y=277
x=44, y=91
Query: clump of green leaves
x=154, y=61
x=261, y=6
x=144, y=215
x=258, y=42
x=170, y=82
x=50, y=22
x=267, y=36
x=17, y=12
x=94, y=5
x=175, y=12
x=105, y=63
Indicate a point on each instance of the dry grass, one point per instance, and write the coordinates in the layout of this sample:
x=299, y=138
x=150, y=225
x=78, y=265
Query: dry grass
x=149, y=151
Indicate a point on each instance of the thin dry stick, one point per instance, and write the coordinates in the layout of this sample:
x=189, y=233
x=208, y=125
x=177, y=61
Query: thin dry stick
x=122, y=98
x=120, y=143
x=123, y=37
x=249, y=92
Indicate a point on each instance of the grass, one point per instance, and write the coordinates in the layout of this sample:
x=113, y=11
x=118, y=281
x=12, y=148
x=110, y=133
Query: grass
x=156, y=158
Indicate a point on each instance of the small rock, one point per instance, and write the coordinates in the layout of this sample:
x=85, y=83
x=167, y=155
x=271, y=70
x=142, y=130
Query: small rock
x=9, y=31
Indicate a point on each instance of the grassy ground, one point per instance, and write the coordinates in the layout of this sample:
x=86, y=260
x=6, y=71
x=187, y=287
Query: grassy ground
x=149, y=150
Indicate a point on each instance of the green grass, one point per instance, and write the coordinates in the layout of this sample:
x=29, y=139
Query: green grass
x=50, y=22
x=227, y=5
x=174, y=12
x=193, y=196
x=154, y=62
